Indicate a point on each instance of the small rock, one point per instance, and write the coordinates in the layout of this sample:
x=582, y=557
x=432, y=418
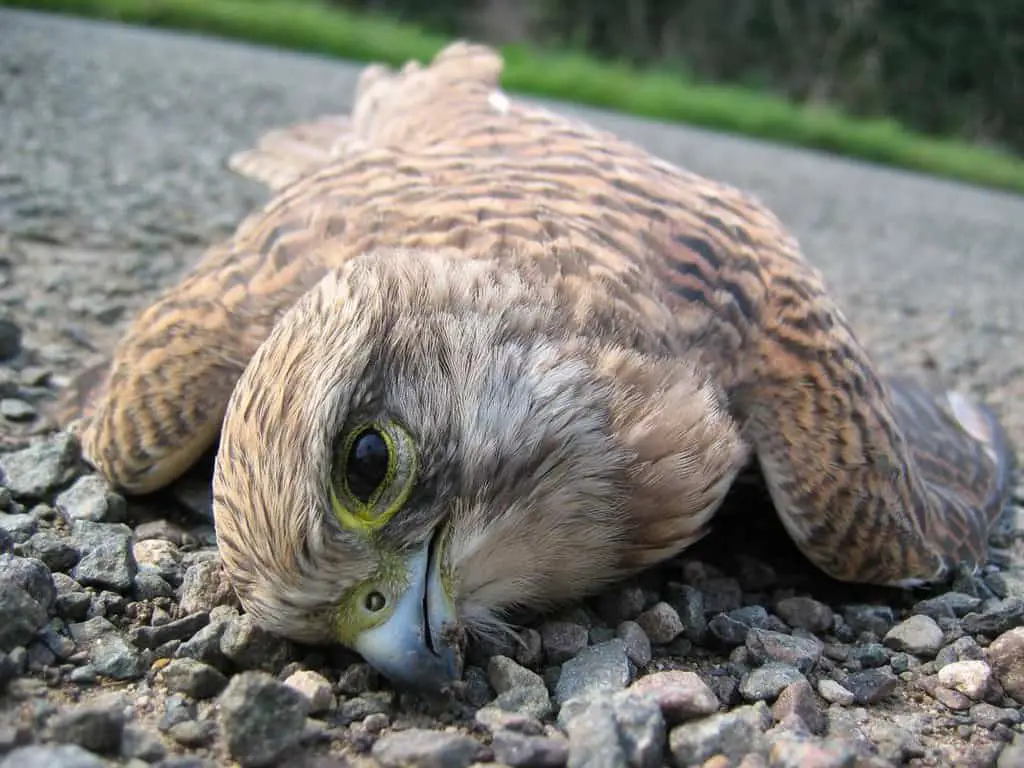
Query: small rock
x=96, y=726
x=250, y=646
x=193, y=733
x=1012, y=755
x=950, y=605
x=10, y=339
x=205, y=646
x=799, y=652
x=106, y=559
x=31, y=575
x=52, y=550
x=1006, y=657
x=519, y=689
x=260, y=718
x=17, y=529
x=163, y=556
x=621, y=604
x=623, y=729
x=989, y=716
x=876, y=619
x=805, y=613
x=521, y=751
x=562, y=640
x=798, y=699
x=727, y=630
x=56, y=756
x=494, y=720
x=109, y=654
x=971, y=678
x=603, y=667
x=181, y=629
x=91, y=498
x=638, y=645
x=871, y=685
x=689, y=604
x=315, y=687
x=36, y=471
x=420, y=747
x=205, y=586
x=17, y=410
x=721, y=594
x=141, y=744
x=998, y=617
x=661, y=623
x=919, y=635
x=768, y=681
x=193, y=678
x=833, y=692
x=795, y=751
x=681, y=695
x=731, y=734
x=869, y=655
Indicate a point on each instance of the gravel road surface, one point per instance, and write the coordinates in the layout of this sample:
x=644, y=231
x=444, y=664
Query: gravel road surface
x=113, y=143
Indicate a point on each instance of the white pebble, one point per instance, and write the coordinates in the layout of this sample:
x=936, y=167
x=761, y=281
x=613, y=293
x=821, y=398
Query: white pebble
x=834, y=693
x=314, y=687
x=971, y=678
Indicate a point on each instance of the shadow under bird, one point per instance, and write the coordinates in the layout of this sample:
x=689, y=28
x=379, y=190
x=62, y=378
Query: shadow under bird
x=475, y=356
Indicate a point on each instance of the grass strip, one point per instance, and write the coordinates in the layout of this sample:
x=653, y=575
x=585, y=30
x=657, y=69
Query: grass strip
x=311, y=26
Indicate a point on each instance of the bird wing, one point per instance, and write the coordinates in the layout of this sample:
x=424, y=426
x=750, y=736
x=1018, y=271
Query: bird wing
x=644, y=253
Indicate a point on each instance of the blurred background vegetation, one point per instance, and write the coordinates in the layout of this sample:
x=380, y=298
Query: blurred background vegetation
x=946, y=67
x=931, y=85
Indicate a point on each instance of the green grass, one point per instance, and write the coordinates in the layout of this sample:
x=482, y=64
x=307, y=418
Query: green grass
x=308, y=25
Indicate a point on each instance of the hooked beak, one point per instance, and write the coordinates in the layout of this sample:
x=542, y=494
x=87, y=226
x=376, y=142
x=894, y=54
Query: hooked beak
x=419, y=645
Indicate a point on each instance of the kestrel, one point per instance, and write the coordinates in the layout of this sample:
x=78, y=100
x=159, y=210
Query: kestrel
x=476, y=356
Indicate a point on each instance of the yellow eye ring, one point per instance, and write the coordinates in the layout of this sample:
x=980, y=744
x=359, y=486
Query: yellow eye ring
x=373, y=474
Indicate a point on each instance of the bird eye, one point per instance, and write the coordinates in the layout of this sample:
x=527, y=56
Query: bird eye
x=374, y=602
x=367, y=465
x=373, y=473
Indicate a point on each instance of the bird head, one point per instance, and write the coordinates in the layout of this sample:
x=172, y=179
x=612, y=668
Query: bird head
x=423, y=443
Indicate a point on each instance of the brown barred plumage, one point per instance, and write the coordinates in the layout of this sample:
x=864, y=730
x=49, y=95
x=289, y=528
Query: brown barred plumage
x=441, y=210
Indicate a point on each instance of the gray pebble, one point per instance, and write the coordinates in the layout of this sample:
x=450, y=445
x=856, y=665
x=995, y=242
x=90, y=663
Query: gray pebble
x=205, y=646
x=870, y=655
x=178, y=708
x=96, y=726
x=36, y=471
x=193, y=733
x=799, y=700
x=989, y=716
x=689, y=604
x=721, y=594
x=521, y=751
x=876, y=619
x=621, y=603
x=638, y=645
x=681, y=695
x=149, y=584
x=948, y=605
x=871, y=685
x=1012, y=755
x=55, y=551
x=796, y=751
x=10, y=339
x=362, y=707
x=805, y=613
x=833, y=692
x=562, y=640
x=31, y=575
x=17, y=410
x=431, y=749
x=19, y=527
x=163, y=556
x=919, y=635
x=519, y=689
x=766, y=682
x=106, y=555
x=495, y=720
x=91, y=498
x=260, y=718
x=250, y=646
x=997, y=617
x=731, y=734
x=180, y=629
x=84, y=675
x=767, y=646
x=193, y=678
x=57, y=756
x=603, y=667
x=661, y=623
x=109, y=653
x=727, y=630
x=619, y=730
x=23, y=614
x=141, y=744
x=205, y=586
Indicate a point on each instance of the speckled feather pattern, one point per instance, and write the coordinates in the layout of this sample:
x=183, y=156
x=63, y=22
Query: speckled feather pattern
x=686, y=303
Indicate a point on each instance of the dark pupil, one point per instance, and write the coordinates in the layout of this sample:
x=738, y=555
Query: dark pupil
x=367, y=464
